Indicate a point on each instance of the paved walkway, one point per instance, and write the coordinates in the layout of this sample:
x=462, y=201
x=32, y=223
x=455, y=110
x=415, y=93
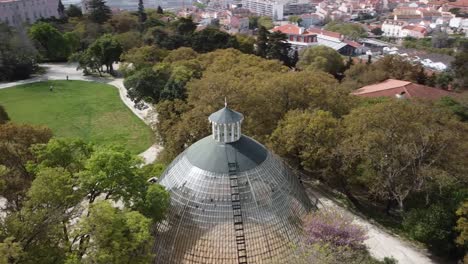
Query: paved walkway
x=60, y=71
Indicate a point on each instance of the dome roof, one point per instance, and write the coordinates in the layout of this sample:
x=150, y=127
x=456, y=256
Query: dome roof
x=232, y=202
x=210, y=155
x=225, y=116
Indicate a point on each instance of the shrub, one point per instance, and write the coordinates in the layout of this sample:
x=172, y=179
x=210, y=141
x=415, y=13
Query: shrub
x=334, y=228
x=432, y=226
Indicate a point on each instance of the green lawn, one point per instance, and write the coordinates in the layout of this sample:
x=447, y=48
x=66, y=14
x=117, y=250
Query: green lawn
x=86, y=110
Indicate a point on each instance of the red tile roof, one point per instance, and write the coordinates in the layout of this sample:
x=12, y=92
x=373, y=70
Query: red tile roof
x=392, y=88
x=289, y=29
x=353, y=43
x=416, y=28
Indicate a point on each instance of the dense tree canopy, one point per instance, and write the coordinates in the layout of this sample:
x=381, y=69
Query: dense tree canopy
x=69, y=213
x=390, y=66
x=252, y=85
x=350, y=30
x=321, y=58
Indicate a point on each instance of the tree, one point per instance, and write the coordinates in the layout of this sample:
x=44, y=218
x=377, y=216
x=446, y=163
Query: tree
x=246, y=43
x=141, y=12
x=377, y=31
x=252, y=85
x=155, y=203
x=439, y=38
x=210, y=39
x=390, y=66
x=185, y=26
x=279, y=48
x=118, y=236
x=10, y=251
x=123, y=22
x=458, y=106
x=15, y=65
x=262, y=42
x=99, y=12
x=443, y=80
x=352, y=31
x=106, y=50
x=61, y=10
x=146, y=84
x=411, y=152
x=15, y=152
x=160, y=10
x=69, y=154
x=349, y=63
x=146, y=56
x=52, y=225
x=3, y=115
x=74, y=11
x=334, y=228
x=462, y=225
x=432, y=225
x=50, y=41
x=253, y=22
x=265, y=22
x=295, y=19
x=459, y=66
x=129, y=40
x=321, y=58
x=306, y=140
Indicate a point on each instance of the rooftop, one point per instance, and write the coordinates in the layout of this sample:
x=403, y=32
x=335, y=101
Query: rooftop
x=211, y=155
x=392, y=88
x=225, y=116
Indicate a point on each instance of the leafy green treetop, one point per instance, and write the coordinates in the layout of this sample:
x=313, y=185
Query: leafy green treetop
x=160, y=10
x=99, y=12
x=141, y=12
x=61, y=9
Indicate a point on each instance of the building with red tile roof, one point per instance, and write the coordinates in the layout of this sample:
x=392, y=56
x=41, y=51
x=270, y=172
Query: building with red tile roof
x=297, y=36
x=414, y=31
x=401, y=89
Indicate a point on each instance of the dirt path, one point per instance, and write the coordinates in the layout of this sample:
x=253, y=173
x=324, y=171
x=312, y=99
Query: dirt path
x=380, y=243
x=60, y=71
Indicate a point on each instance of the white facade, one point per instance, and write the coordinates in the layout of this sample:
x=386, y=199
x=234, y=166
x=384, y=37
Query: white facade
x=273, y=9
x=17, y=12
x=393, y=28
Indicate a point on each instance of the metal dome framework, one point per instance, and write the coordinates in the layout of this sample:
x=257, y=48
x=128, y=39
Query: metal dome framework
x=231, y=203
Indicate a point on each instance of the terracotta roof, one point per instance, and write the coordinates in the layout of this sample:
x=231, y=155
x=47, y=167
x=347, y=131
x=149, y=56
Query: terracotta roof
x=319, y=31
x=392, y=88
x=289, y=29
x=353, y=43
x=415, y=28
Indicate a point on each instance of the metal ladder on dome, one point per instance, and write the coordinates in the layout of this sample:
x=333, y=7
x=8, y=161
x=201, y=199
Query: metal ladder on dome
x=237, y=213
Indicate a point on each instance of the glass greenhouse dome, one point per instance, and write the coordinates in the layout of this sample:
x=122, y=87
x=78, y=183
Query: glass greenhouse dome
x=232, y=201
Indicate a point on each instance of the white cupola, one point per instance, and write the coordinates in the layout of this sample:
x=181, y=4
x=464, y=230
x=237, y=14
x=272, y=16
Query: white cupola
x=226, y=125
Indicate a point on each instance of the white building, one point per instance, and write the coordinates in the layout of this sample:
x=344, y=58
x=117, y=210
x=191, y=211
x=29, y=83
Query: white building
x=17, y=12
x=271, y=8
x=393, y=28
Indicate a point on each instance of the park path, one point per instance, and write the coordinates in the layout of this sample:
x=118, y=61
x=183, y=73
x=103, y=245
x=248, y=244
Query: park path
x=380, y=242
x=60, y=71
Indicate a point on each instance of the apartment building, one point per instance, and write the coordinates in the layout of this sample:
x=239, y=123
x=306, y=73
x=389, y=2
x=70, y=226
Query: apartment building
x=17, y=12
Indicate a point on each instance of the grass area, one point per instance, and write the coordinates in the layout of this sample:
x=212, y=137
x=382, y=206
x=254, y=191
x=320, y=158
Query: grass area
x=86, y=110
